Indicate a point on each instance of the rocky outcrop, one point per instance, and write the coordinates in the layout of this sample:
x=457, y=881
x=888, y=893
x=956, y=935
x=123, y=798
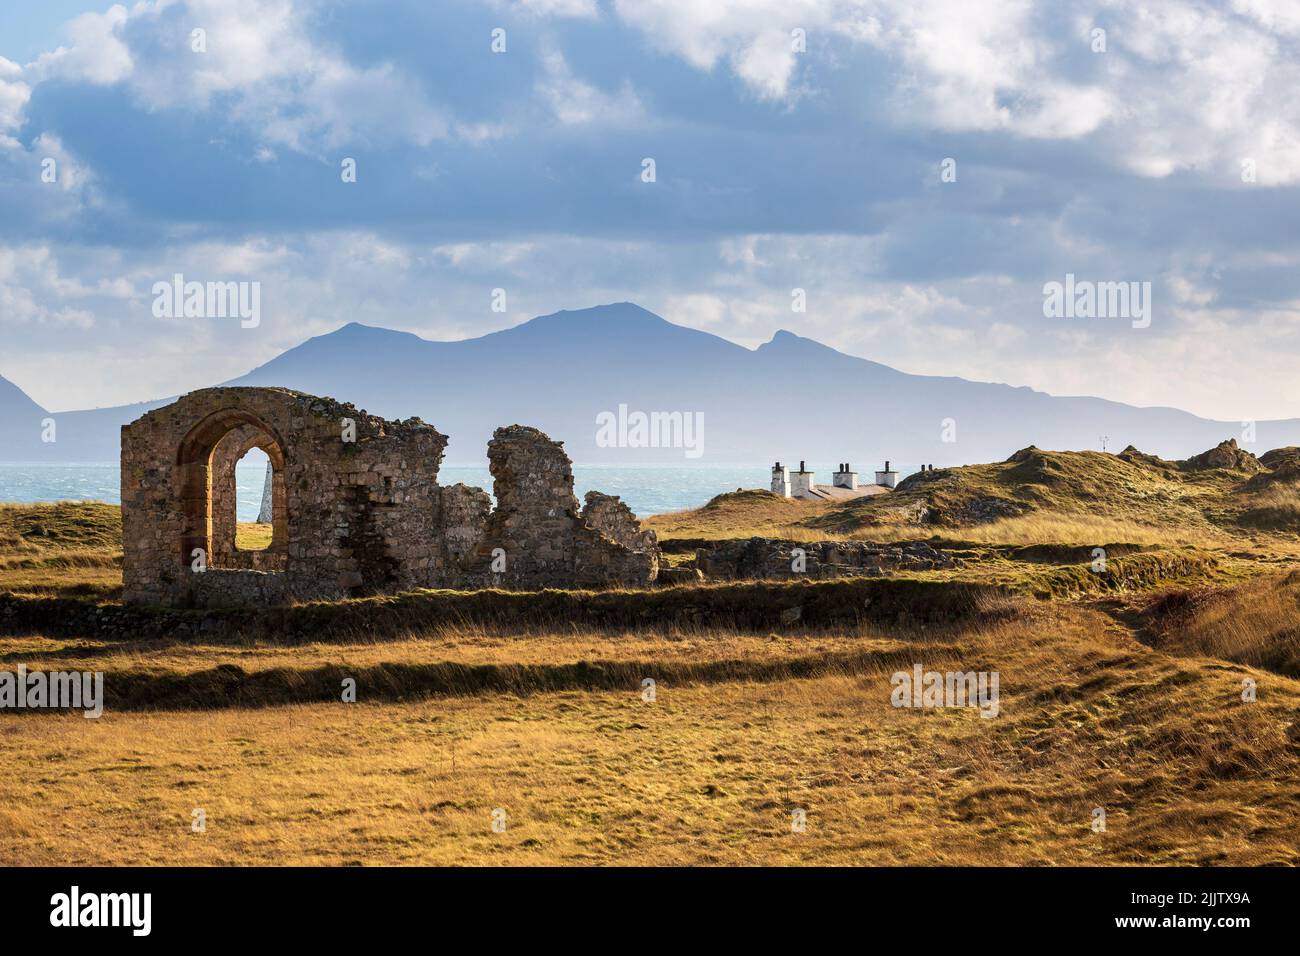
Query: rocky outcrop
x=1135, y=457
x=1286, y=472
x=1225, y=455
x=1276, y=456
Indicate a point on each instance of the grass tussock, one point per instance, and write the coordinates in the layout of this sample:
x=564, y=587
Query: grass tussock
x=1275, y=509
x=1256, y=623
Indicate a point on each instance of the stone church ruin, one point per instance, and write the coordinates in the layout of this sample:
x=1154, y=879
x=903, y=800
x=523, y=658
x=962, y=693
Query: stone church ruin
x=355, y=508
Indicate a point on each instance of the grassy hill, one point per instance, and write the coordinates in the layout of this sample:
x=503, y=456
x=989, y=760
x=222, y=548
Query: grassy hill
x=68, y=548
x=1257, y=623
x=1040, y=497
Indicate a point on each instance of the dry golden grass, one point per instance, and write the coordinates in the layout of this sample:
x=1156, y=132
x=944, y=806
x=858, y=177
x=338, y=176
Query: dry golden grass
x=710, y=772
x=463, y=644
x=741, y=514
x=1276, y=509
x=84, y=574
x=791, y=519
x=1256, y=623
x=1075, y=529
x=707, y=774
x=251, y=536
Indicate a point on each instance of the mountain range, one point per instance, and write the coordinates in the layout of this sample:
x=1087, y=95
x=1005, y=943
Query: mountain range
x=789, y=399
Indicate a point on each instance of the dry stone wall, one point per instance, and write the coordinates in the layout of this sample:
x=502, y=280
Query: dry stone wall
x=356, y=507
x=770, y=558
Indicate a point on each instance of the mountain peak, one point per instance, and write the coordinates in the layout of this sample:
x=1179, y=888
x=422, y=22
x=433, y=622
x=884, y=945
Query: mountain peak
x=622, y=313
x=361, y=332
x=784, y=339
x=15, y=401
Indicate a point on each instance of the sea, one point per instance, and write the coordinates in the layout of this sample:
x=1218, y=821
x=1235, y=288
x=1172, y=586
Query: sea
x=647, y=490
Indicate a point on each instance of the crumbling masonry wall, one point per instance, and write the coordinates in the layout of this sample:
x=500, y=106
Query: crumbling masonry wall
x=356, y=508
x=537, y=535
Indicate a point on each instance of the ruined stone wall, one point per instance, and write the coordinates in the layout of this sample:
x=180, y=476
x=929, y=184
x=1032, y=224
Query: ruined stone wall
x=462, y=524
x=353, y=515
x=615, y=520
x=337, y=495
x=771, y=558
x=545, y=541
x=536, y=513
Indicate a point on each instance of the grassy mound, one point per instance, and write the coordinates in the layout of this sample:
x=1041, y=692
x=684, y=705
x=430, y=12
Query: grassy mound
x=40, y=530
x=1035, y=497
x=67, y=549
x=749, y=513
x=1255, y=623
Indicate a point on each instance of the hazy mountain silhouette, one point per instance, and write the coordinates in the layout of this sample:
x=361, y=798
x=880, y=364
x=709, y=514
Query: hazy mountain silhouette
x=791, y=398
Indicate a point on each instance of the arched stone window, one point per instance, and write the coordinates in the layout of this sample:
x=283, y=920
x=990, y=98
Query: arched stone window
x=205, y=470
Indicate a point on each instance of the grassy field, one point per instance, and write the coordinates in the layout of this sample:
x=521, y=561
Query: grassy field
x=709, y=772
x=1127, y=698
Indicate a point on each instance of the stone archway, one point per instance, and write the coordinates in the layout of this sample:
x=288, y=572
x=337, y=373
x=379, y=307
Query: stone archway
x=226, y=455
x=205, y=476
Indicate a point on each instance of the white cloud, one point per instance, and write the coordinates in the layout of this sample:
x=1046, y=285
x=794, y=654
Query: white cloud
x=33, y=289
x=583, y=9
x=71, y=175
x=259, y=54
x=1184, y=85
x=575, y=102
x=97, y=53
x=484, y=255
x=14, y=94
x=752, y=36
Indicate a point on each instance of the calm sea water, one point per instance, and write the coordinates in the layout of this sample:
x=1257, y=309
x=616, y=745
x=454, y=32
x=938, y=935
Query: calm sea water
x=647, y=491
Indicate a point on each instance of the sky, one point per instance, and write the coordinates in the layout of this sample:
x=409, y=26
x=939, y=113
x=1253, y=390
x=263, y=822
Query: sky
x=920, y=170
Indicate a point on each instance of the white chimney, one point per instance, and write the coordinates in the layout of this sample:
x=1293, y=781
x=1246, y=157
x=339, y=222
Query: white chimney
x=802, y=481
x=844, y=478
x=780, y=480
x=888, y=477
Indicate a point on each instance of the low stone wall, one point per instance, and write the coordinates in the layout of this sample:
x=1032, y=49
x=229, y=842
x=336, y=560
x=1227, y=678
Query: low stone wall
x=775, y=559
x=752, y=606
x=225, y=587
